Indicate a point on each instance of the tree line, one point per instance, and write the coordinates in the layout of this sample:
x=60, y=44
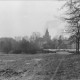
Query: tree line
x=32, y=45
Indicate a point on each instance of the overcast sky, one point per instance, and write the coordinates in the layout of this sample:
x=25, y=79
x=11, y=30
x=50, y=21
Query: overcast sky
x=21, y=18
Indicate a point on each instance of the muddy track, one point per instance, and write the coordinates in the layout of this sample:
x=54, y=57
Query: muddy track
x=57, y=68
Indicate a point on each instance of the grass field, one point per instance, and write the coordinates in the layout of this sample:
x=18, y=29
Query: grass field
x=52, y=66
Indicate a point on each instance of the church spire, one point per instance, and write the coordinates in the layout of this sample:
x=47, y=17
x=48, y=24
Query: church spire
x=47, y=33
x=47, y=36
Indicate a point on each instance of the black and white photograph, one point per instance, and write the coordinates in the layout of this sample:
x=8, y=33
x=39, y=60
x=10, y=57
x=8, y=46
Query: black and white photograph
x=39, y=39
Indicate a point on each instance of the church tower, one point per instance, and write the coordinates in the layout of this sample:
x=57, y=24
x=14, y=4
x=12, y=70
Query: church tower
x=47, y=37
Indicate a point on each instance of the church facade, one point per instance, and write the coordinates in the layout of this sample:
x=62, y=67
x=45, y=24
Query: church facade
x=45, y=39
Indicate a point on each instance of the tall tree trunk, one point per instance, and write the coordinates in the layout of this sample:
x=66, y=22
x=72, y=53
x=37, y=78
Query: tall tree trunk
x=77, y=42
x=78, y=46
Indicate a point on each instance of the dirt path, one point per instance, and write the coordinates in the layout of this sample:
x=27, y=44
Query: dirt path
x=57, y=68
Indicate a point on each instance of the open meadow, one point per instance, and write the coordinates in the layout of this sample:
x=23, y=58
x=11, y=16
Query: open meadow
x=49, y=66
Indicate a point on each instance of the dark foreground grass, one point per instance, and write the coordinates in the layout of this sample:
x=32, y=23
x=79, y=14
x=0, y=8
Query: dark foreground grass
x=17, y=66
x=69, y=68
x=43, y=69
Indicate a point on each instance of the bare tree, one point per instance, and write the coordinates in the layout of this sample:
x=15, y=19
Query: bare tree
x=34, y=36
x=73, y=19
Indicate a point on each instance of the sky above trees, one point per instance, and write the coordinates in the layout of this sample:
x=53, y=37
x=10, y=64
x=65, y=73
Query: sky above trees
x=21, y=18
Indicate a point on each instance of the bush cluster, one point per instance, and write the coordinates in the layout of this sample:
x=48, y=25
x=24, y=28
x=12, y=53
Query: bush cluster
x=10, y=45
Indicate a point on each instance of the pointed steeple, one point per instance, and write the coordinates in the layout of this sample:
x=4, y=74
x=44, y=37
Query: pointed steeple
x=47, y=36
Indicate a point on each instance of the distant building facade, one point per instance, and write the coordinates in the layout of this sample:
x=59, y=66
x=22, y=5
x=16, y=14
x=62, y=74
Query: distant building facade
x=45, y=39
